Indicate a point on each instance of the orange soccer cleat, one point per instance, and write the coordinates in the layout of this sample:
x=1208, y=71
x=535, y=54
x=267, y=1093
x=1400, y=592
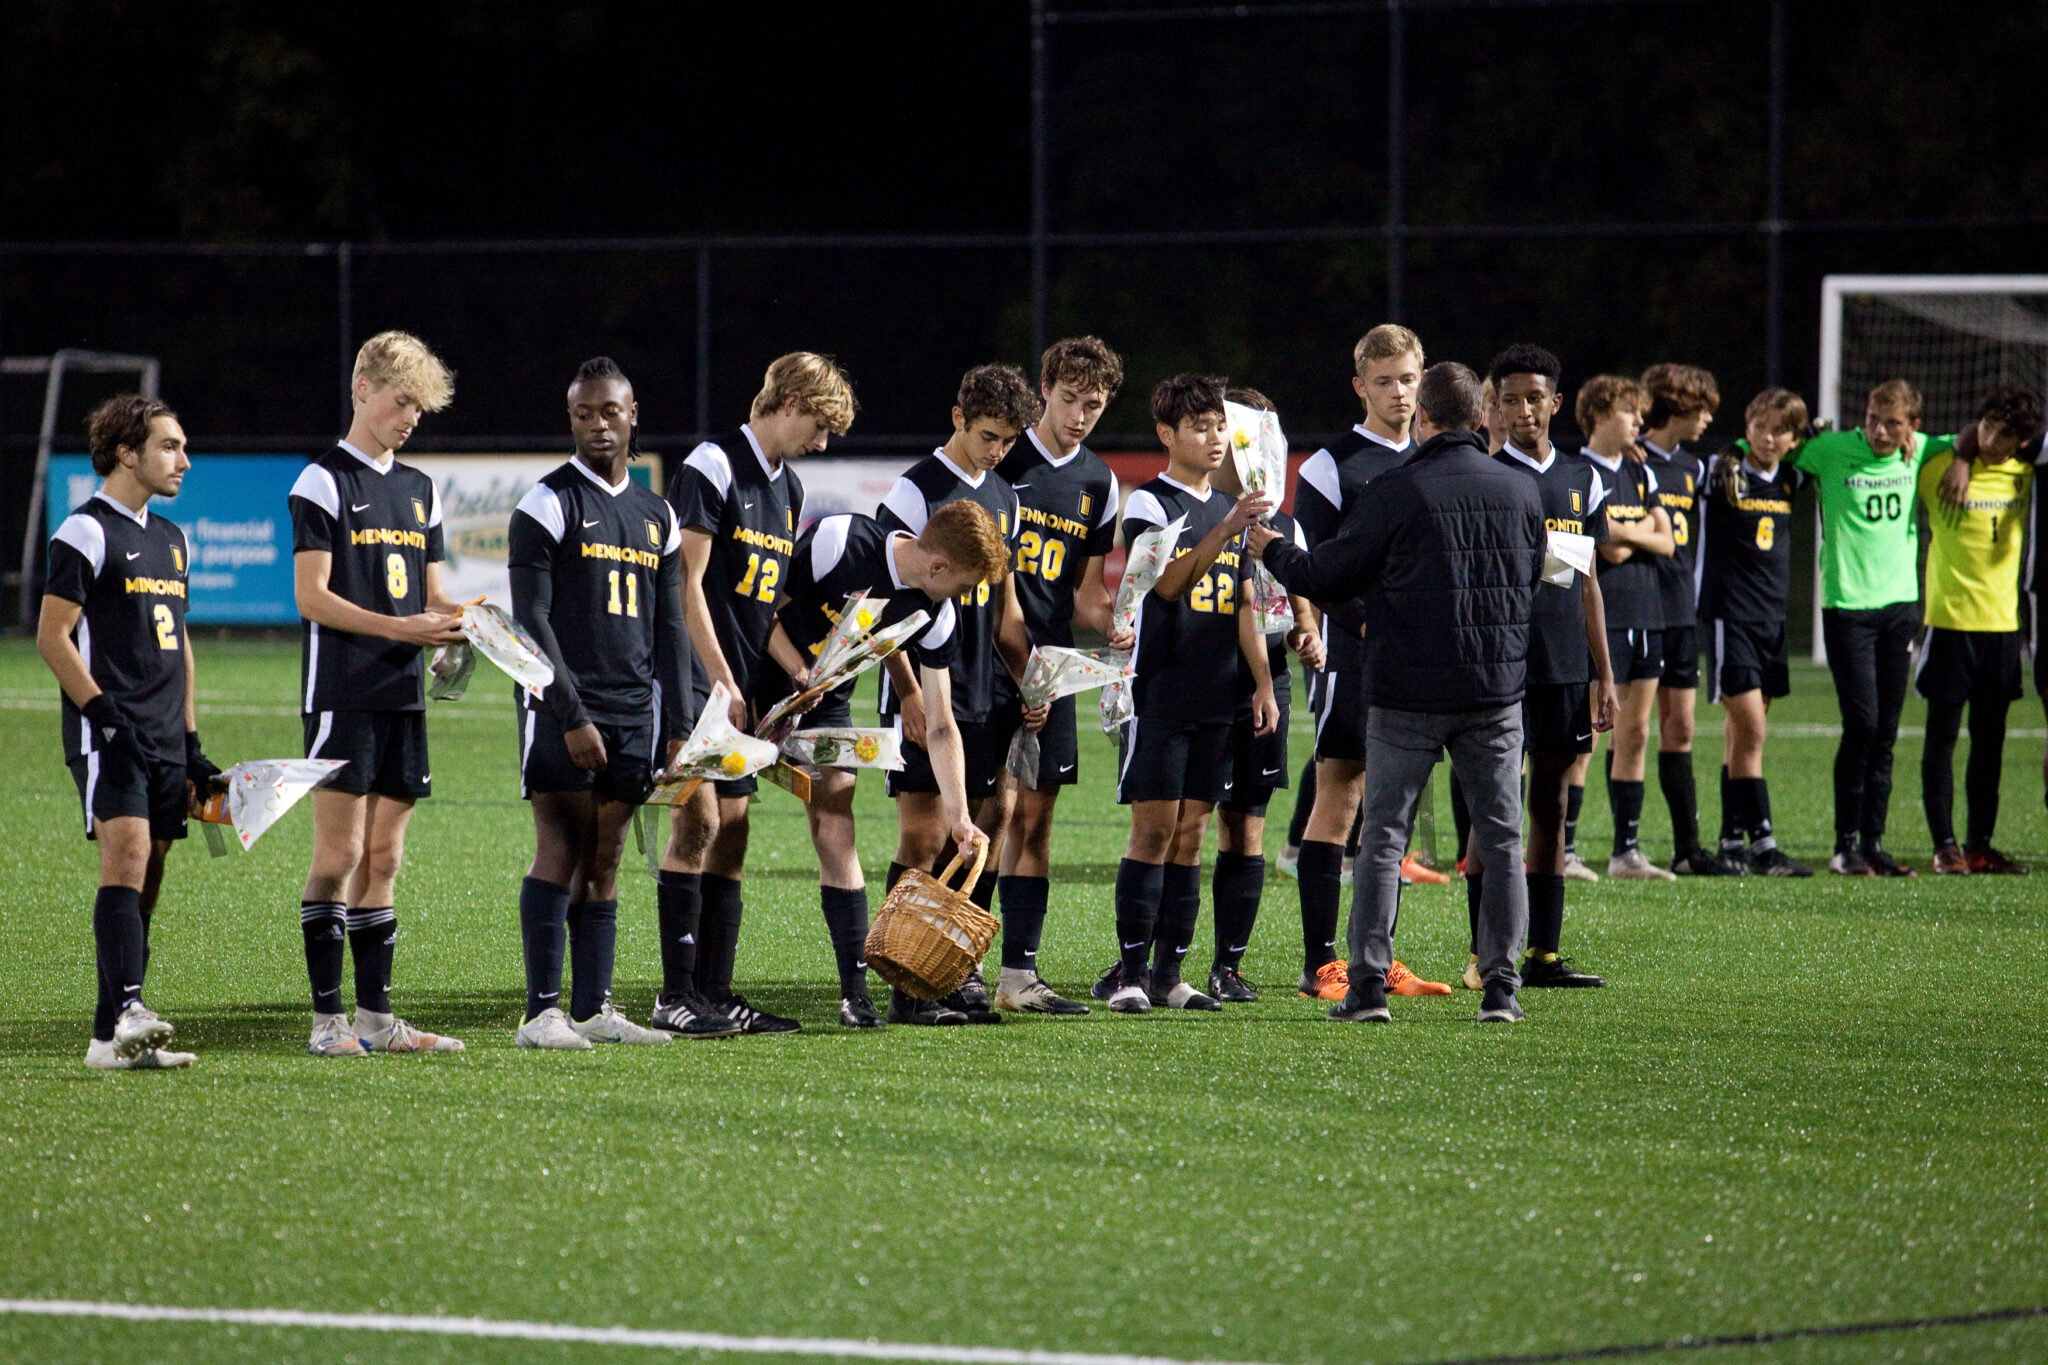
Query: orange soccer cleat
x=1413, y=870
x=1331, y=981
x=1401, y=981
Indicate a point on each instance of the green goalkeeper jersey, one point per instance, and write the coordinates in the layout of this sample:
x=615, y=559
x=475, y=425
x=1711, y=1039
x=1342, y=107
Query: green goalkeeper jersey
x=1870, y=538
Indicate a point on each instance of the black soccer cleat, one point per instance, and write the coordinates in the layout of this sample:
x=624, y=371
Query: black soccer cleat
x=1228, y=985
x=1110, y=982
x=857, y=1011
x=962, y=1003
x=753, y=1021
x=1558, y=971
x=1773, y=862
x=1883, y=864
x=691, y=1016
x=973, y=993
x=1733, y=860
x=1697, y=862
x=905, y=1008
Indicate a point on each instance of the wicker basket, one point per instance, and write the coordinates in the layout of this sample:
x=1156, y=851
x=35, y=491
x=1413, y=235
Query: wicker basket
x=929, y=935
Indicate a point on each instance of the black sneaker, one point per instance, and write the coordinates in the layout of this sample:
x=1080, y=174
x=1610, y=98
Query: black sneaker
x=1699, y=863
x=1558, y=971
x=960, y=1002
x=1109, y=983
x=751, y=1020
x=690, y=1016
x=857, y=1011
x=1363, y=1004
x=905, y=1008
x=1228, y=984
x=1883, y=864
x=1499, y=1006
x=1772, y=862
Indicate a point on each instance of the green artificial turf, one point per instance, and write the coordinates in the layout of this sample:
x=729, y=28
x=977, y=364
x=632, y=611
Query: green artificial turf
x=1799, y=1104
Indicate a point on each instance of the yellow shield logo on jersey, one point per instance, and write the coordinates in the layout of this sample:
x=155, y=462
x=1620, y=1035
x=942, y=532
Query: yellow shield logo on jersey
x=1577, y=500
x=1003, y=522
x=419, y=510
x=177, y=559
x=654, y=535
x=1688, y=484
x=1087, y=501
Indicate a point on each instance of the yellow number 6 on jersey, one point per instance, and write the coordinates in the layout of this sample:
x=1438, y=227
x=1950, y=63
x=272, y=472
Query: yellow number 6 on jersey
x=1766, y=533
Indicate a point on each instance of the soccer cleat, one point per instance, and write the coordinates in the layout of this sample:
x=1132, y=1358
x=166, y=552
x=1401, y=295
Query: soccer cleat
x=1020, y=991
x=101, y=1056
x=1130, y=998
x=389, y=1033
x=690, y=1015
x=1734, y=860
x=1575, y=869
x=1556, y=971
x=1697, y=862
x=1289, y=861
x=1471, y=980
x=905, y=1008
x=1984, y=860
x=1401, y=981
x=1327, y=982
x=1109, y=983
x=609, y=1026
x=1228, y=984
x=1415, y=871
x=1632, y=866
x=1362, y=1005
x=1499, y=1006
x=751, y=1020
x=137, y=1030
x=1950, y=861
x=1847, y=862
x=973, y=993
x=550, y=1030
x=1180, y=996
x=1883, y=864
x=958, y=1002
x=1347, y=869
x=332, y=1037
x=857, y=1011
x=1772, y=862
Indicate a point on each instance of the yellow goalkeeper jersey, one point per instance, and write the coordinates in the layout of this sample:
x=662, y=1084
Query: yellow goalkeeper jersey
x=1974, y=554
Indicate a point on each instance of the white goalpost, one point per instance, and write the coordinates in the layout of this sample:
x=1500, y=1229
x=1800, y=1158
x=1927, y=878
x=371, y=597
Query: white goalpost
x=1953, y=336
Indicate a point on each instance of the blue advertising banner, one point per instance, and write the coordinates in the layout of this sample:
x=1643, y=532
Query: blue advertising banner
x=233, y=509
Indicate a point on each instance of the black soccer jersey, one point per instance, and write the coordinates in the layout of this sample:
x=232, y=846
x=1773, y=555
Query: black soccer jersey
x=597, y=573
x=1681, y=480
x=727, y=488
x=927, y=486
x=1187, y=651
x=1630, y=590
x=382, y=525
x=1330, y=482
x=841, y=555
x=1276, y=640
x=1748, y=569
x=128, y=570
x=1066, y=514
x=1572, y=493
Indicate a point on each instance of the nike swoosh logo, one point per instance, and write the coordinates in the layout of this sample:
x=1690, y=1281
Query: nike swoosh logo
x=588, y=524
x=426, y=777
x=747, y=506
x=687, y=938
x=135, y=554
x=1066, y=767
x=1139, y=944
x=1020, y=485
x=1269, y=772
x=359, y=507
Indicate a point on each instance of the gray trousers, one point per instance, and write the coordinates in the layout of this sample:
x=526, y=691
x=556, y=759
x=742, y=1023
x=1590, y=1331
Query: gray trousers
x=1401, y=752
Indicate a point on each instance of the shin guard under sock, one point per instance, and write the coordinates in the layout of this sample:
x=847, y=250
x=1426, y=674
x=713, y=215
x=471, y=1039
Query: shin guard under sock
x=593, y=942
x=372, y=935
x=1756, y=805
x=1546, y=912
x=119, y=947
x=1180, y=906
x=543, y=921
x=1139, y=887
x=846, y=920
x=1234, y=892
x=984, y=892
x=1574, y=801
x=679, y=908
x=1625, y=804
x=325, y=926
x=1320, y=873
x=1023, y=902
x=1681, y=795
x=718, y=933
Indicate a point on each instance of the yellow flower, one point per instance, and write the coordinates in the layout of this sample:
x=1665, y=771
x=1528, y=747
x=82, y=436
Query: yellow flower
x=733, y=765
x=865, y=619
x=867, y=748
x=1241, y=438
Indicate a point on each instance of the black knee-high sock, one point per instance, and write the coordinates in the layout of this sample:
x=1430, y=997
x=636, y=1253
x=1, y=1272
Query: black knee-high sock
x=718, y=933
x=1461, y=817
x=984, y=892
x=1304, y=804
x=147, y=914
x=1625, y=803
x=1180, y=906
x=1234, y=891
x=1937, y=770
x=1756, y=804
x=543, y=921
x=1320, y=873
x=1731, y=818
x=679, y=909
x=1139, y=887
x=1475, y=886
x=325, y=925
x=593, y=943
x=1985, y=768
x=1546, y=912
x=1023, y=901
x=119, y=948
x=372, y=937
x=892, y=876
x=1574, y=801
x=1674, y=778
x=846, y=920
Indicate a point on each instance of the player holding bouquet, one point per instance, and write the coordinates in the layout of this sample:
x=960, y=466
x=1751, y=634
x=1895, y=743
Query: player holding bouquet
x=596, y=567
x=366, y=567
x=112, y=629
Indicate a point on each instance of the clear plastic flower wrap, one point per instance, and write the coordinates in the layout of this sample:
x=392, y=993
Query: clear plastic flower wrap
x=843, y=746
x=449, y=668
x=260, y=791
x=715, y=751
x=1054, y=671
x=1258, y=454
x=850, y=649
x=1144, y=560
x=1568, y=553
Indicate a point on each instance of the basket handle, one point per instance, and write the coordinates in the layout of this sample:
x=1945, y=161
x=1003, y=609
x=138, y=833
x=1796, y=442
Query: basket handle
x=973, y=873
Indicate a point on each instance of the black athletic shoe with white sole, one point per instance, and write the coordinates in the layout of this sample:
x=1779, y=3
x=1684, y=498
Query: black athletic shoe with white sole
x=857, y=1011
x=1362, y=1004
x=1499, y=1006
x=1558, y=971
x=1883, y=864
x=751, y=1020
x=1228, y=985
x=1109, y=983
x=1773, y=862
x=692, y=1016
x=963, y=1003
x=908, y=1009
x=1700, y=863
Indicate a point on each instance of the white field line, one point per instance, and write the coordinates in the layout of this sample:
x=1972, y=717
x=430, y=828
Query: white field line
x=547, y=1331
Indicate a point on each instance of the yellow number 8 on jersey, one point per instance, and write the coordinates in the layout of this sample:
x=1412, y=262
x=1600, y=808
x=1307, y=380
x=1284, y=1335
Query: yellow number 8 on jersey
x=394, y=575
x=1766, y=533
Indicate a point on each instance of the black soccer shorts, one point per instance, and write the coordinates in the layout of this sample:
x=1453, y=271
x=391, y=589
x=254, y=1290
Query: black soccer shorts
x=1636, y=655
x=1338, y=701
x=1258, y=763
x=118, y=782
x=985, y=744
x=1747, y=656
x=386, y=751
x=630, y=759
x=1958, y=666
x=1175, y=761
x=1557, y=718
x=1681, y=657
x=1059, y=744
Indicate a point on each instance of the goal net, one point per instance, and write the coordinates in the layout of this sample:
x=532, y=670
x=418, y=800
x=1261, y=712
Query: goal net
x=1952, y=336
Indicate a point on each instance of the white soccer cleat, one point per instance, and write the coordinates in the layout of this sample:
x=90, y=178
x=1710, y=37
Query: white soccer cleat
x=1632, y=866
x=1130, y=999
x=1019, y=991
x=332, y=1037
x=1182, y=996
x=389, y=1033
x=1288, y=864
x=137, y=1030
x=1575, y=869
x=609, y=1026
x=101, y=1056
x=550, y=1030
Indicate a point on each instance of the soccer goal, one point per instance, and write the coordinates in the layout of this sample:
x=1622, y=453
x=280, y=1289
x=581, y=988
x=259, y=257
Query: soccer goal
x=1953, y=336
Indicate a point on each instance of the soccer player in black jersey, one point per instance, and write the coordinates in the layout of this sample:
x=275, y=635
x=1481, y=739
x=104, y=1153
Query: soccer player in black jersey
x=1176, y=762
x=1563, y=703
x=1067, y=505
x=994, y=405
x=596, y=567
x=1387, y=366
x=112, y=629
x=740, y=503
x=958, y=548
x=1609, y=409
x=366, y=566
x=1744, y=591
x=1683, y=400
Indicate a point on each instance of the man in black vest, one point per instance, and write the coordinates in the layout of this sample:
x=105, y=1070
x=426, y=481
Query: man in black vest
x=1449, y=537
